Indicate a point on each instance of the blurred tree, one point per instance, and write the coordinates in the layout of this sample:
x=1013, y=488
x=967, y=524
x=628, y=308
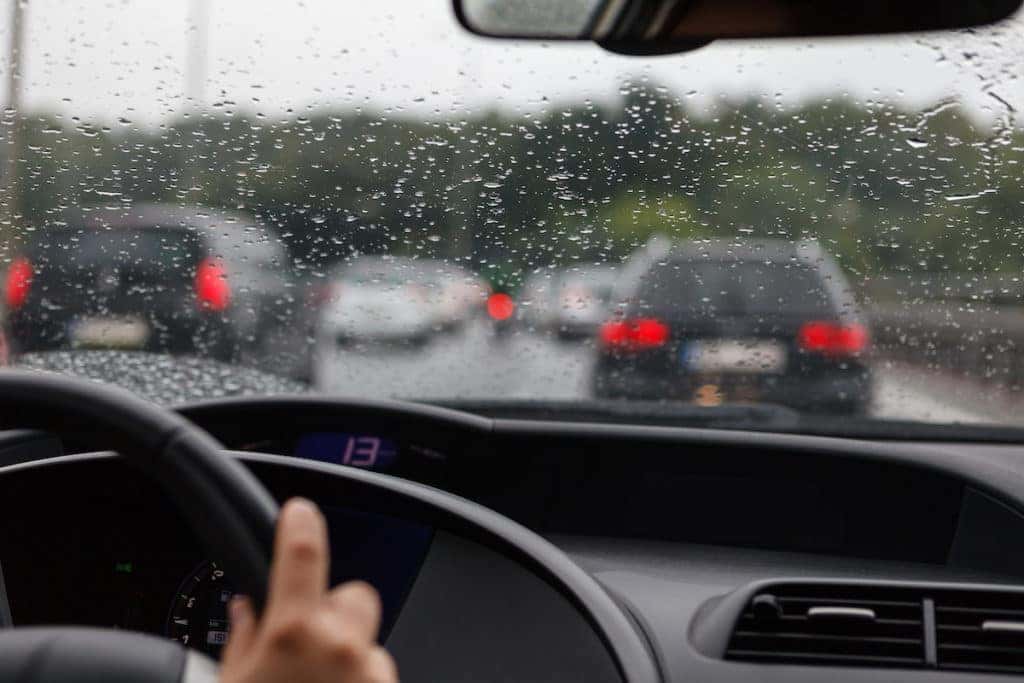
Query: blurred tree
x=885, y=190
x=635, y=215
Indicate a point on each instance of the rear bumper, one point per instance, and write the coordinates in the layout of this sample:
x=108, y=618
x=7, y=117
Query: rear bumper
x=579, y=324
x=344, y=331
x=576, y=329
x=341, y=339
x=28, y=331
x=842, y=390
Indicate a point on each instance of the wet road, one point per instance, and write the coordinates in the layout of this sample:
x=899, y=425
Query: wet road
x=471, y=363
x=474, y=363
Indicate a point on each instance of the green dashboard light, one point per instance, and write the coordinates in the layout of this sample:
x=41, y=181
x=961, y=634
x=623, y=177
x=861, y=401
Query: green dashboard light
x=123, y=567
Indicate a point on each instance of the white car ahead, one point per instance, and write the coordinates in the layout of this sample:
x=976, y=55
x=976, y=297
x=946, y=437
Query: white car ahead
x=377, y=299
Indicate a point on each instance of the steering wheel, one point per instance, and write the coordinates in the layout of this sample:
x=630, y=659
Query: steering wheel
x=228, y=509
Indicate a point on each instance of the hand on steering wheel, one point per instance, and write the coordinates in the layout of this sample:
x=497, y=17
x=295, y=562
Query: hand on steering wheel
x=306, y=632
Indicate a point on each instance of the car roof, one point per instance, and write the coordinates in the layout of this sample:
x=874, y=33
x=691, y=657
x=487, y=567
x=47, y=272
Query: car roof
x=754, y=249
x=403, y=264
x=225, y=233
x=170, y=216
x=590, y=272
x=806, y=253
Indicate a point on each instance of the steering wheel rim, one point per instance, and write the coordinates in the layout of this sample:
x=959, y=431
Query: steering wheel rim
x=227, y=507
x=94, y=655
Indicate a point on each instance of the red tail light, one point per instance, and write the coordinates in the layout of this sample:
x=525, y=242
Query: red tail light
x=632, y=335
x=19, y=281
x=833, y=339
x=212, y=288
x=500, y=306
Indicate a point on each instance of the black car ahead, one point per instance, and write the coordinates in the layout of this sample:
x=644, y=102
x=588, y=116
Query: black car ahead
x=148, y=277
x=714, y=322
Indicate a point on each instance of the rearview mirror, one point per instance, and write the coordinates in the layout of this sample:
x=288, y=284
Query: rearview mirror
x=675, y=25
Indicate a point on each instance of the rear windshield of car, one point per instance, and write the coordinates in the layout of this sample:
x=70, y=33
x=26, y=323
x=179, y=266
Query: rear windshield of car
x=154, y=249
x=389, y=272
x=601, y=290
x=681, y=288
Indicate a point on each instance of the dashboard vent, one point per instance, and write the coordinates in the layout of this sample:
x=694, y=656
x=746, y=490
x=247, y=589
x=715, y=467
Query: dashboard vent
x=980, y=631
x=832, y=624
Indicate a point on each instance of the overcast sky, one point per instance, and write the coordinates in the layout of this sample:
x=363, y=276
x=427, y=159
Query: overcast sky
x=109, y=59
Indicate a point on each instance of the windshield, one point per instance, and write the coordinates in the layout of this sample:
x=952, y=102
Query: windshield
x=370, y=202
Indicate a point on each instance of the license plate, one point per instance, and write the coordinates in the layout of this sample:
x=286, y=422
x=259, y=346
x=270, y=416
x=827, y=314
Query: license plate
x=109, y=333
x=734, y=356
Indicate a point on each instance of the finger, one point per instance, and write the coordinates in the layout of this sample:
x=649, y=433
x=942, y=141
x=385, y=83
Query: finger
x=243, y=628
x=356, y=609
x=380, y=667
x=298, y=574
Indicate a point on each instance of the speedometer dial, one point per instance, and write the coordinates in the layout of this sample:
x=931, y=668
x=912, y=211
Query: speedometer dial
x=198, y=616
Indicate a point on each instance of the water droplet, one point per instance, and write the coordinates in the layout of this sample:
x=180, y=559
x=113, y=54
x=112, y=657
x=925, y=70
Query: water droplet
x=966, y=197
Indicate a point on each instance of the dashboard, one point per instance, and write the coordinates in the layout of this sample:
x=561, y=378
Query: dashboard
x=684, y=529
x=128, y=561
x=455, y=581
x=928, y=504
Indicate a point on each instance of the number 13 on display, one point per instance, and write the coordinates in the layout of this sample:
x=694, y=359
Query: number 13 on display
x=361, y=451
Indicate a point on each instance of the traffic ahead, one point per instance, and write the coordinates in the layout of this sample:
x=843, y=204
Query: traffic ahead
x=705, y=323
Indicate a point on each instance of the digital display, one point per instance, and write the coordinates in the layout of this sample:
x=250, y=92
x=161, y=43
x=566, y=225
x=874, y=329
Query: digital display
x=386, y=552
x=365, y=451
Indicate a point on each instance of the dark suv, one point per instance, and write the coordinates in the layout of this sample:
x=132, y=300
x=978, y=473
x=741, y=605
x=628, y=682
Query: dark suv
x=713, y=322
x=148, y=277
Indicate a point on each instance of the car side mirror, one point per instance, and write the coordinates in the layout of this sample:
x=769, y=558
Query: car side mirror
x=664, y=26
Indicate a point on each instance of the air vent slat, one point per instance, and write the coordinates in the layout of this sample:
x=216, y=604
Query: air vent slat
x=803, y=618
x=817, y=658
x=877, y=628
x=972, y=611
x=823, y=637
x=996, y=649
x=991, y=668
x=972, y=635
x=809, y=644
x=841, y=601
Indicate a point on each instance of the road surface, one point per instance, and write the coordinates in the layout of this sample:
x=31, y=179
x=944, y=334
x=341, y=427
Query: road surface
x=474, y=363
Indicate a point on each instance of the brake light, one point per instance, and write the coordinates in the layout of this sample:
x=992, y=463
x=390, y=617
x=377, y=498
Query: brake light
x=19, y=281
x=212, y=290
x=500, y=306
x=632, y=335
x=833, y=339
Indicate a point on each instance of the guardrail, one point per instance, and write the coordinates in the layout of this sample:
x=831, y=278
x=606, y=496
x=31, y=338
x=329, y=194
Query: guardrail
x=980, y=340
